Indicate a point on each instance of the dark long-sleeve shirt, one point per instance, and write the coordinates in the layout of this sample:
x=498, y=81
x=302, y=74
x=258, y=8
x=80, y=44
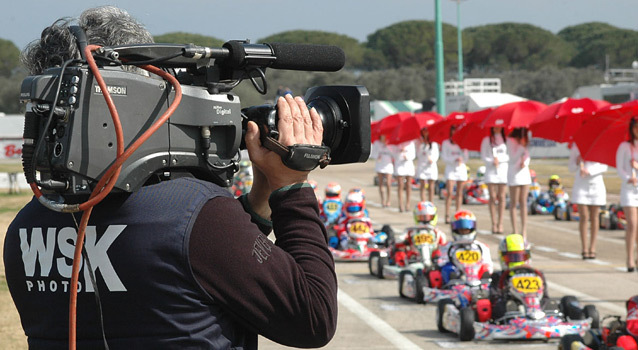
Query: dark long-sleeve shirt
x=285, y=291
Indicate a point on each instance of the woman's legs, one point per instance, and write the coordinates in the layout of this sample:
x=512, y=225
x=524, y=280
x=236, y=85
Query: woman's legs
x=408, y=192
x=401, y=183
x=582, y=228
x=493, y=189
x=449, y=186
x=460, y=185
x=631, y=214
x=514, y=193
x=431, y=184
x=422, y=183
x=388, y=189
x=380, y=180
x=522, y=200
x=501, y=205
x=594, y=210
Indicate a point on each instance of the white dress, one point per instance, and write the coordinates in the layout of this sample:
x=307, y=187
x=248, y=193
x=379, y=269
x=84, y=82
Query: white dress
x=404, y=154
x=384, y=164
x=493, y=174
x=587, y=190
x=628, y=192
x=426, y=158
x=517, y=175
x=450, y=152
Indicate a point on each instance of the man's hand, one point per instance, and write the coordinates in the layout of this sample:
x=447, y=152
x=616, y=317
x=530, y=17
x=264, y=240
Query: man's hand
x=297, y=125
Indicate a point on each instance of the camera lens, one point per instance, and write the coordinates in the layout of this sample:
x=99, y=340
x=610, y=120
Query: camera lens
x=331, y=119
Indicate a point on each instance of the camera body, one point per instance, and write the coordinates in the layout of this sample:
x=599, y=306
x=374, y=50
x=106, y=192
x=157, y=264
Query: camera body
x=70, y=140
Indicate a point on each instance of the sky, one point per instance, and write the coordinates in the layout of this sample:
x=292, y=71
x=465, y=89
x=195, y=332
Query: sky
x=22, y=21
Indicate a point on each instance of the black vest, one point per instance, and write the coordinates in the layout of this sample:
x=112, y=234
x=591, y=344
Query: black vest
x=138, y=247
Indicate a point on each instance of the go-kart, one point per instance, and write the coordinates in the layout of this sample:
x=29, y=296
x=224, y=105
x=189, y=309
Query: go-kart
x=612, y=335
x=476, y=192
x=469, y=280
x=360, y=240
x=527, y=315
x=412, y=256
x=547, y=201
x=566, y=211
x=612, y=218
x=242, y=183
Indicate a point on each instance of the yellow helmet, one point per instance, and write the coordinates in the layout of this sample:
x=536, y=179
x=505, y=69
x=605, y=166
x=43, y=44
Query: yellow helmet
x=514, y=251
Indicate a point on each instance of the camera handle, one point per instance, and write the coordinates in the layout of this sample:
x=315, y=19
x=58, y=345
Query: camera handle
x=300, y=157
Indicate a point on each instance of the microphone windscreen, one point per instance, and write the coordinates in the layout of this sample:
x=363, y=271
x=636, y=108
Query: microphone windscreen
x=306, y=57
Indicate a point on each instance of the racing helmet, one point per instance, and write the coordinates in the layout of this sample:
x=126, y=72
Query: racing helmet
x=425, y=213
x=355, y=204
x=480, y=172
x=333, y=189
x=532, y=174
x=514, y=251
x=464, y=226
x=554, y=181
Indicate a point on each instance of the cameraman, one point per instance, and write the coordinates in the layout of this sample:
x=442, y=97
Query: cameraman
x=181, y=263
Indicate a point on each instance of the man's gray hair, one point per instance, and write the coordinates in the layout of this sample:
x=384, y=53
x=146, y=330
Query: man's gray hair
x=105, y=26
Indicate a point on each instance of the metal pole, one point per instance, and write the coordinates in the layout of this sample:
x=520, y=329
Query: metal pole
x=460, y=39
x=438, y=55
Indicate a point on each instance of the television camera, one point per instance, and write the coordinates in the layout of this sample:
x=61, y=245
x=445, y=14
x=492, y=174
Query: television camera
x=69, y=136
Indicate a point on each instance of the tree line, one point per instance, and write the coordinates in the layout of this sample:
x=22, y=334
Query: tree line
x=397, y=62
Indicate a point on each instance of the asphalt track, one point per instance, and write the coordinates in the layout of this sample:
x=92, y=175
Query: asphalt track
x=373, y=316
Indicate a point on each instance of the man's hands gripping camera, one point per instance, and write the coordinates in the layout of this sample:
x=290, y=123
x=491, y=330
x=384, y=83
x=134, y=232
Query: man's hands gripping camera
x=297, y=125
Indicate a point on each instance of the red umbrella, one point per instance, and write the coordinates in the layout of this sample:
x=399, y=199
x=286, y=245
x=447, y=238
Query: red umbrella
x=440, y=131
x=514, y=114
x=469, y=134
x=374, y=130
x=559, y=121
x=599, y=137
x=410, y=128
x=386, y=125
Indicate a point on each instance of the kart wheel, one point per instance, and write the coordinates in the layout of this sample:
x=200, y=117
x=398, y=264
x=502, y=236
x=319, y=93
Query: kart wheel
x=373, y=264
x=591, y=311
x=567, y=340
x=558, y=214
x=383, y=260
x=440, y=311
x=466, y=333
x=402, y=282
x=613, y=221
x=570, y=308
x=419, y=282
x=601, y=222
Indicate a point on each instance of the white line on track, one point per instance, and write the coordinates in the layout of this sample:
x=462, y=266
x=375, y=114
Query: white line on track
x=379, y=325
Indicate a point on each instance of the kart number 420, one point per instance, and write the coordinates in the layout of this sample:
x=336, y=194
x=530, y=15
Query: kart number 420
x=468, y=256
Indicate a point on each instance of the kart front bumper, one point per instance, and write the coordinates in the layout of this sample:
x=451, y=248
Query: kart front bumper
x=531, y=329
